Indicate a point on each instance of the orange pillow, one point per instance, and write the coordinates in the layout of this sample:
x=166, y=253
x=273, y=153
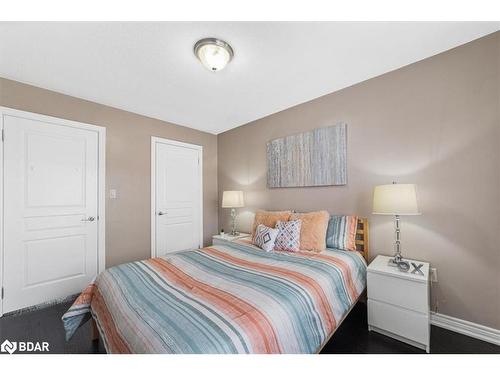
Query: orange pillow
x=269, y=218
x=313, y=230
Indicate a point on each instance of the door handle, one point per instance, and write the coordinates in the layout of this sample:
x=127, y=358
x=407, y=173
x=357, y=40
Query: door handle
x=90, y=218
x=161, y=213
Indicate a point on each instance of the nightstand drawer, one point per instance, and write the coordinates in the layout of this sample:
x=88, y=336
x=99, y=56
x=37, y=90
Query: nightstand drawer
x=396, y=291
x=217, y=241
x=402, y=322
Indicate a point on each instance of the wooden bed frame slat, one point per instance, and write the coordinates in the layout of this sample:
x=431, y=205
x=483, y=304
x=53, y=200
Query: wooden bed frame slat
x=362, y=237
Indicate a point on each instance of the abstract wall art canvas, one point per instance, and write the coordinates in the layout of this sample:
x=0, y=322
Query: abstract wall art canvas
x=313, y=158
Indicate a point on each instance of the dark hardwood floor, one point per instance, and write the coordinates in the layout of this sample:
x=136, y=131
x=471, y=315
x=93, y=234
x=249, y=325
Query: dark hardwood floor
x=351, y=337
x=46, y=325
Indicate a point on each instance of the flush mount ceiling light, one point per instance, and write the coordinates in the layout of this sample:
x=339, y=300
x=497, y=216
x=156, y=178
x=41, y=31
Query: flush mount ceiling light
x=213, y=53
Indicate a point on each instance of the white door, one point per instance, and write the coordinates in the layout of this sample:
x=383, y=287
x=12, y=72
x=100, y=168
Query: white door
x=50, y=210
x=177, y=206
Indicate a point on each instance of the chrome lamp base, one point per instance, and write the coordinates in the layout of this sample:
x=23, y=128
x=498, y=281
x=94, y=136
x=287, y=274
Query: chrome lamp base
x=398, y=258
x=393, y=262
x=233, y=223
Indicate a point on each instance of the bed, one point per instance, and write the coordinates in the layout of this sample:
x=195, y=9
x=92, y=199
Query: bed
x=232, y=298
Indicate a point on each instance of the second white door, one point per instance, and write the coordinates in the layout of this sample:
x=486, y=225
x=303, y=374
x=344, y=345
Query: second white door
x=177, y=197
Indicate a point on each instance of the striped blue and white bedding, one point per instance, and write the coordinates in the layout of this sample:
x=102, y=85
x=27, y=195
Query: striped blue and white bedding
x=234, y=298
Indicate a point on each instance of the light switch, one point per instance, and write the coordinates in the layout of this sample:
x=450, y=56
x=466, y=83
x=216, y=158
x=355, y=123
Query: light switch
x=112, y=193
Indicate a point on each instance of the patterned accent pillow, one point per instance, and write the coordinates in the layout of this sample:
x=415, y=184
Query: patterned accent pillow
x=341, y=233
x=288, y=238
x=265, y=237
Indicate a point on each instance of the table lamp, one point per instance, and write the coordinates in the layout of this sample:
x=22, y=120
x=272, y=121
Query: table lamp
x=233, y=199
x=397, y=200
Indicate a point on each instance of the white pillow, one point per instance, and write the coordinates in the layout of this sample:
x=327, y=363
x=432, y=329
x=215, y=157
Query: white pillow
x=265, y=237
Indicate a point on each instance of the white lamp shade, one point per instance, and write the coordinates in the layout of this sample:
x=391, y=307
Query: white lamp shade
x=232, y=199
x=395, y=199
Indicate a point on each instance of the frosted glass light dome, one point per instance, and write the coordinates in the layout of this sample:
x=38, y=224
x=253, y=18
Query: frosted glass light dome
x=213, y=53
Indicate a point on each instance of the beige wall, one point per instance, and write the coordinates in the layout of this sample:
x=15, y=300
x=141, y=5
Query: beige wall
x=128, y=138
x=435, y=123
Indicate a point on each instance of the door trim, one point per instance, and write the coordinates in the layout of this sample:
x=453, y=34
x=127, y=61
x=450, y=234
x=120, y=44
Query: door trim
x=199, y=148
x=101, y=180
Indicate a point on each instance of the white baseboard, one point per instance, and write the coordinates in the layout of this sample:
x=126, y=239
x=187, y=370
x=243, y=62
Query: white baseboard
x=467, y=328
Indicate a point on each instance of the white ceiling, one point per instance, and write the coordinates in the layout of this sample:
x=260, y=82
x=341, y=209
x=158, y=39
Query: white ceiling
x=150, y=68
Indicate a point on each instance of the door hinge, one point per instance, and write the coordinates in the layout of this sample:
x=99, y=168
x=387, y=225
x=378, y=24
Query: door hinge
x=3, y=135
x=2, y=292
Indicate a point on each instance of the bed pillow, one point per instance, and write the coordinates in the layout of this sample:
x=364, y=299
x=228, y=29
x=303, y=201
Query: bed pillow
x=341, y=233
x=265, y=237
x=269, y=218
x=288, y=238
x=312, y=230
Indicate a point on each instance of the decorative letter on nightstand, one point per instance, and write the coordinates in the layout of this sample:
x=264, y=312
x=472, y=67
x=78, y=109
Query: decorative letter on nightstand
x=398, y=302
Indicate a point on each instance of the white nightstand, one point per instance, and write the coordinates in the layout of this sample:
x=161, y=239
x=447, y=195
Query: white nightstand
x=221, y=239
x=398, y=302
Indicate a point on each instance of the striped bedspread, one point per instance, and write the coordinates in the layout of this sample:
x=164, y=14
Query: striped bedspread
x=222, y=299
